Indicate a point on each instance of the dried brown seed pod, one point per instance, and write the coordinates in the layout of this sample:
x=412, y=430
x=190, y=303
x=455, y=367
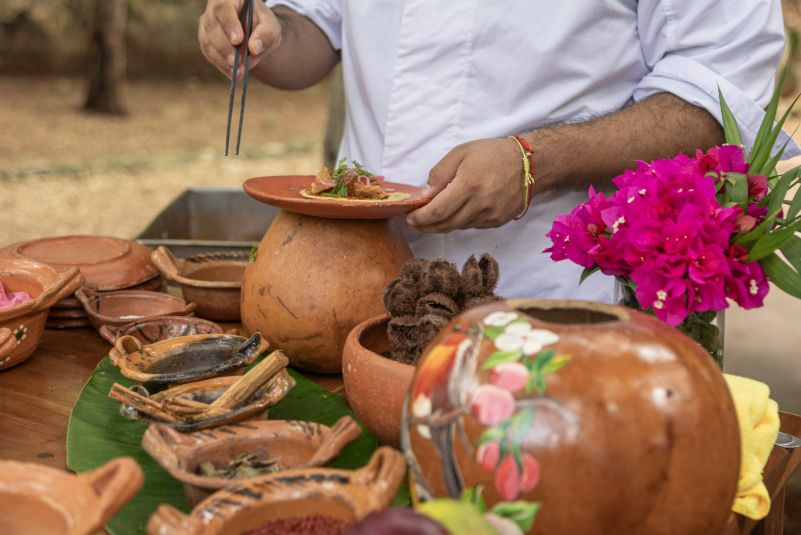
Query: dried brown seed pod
x=428, y=326
x=472, y=302
x=403, y=332
x=406, y=356
x=413, y=270
x=472, y=280
x=438, y=304
x=490, y=272
x=400, y=298
x=440, y=276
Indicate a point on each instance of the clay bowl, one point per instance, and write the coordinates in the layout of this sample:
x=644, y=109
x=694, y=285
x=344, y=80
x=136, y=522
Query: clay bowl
x=107, y=263
x=376, y=386
x=116, y=309
x=150, y=331
x=344, y=494
x=213, y=281
x=27, y=320
x=209, y=390
x=293, y=444
x=39, y=499
x=184, y=359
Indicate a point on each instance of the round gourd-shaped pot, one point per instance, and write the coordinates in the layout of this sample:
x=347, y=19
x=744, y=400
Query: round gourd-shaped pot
x=610, y=419
x=314, y=279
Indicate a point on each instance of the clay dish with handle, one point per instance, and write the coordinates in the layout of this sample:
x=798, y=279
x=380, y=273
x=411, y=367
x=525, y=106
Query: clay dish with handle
x=119, y=308
x=26, y=321
x=184, y=359
x=107, y=263
x=152, y=330
x=290, y=444
x=39, y=499
x=344, y=494
x=209, y=390
x=212, y=280
x=376, y=385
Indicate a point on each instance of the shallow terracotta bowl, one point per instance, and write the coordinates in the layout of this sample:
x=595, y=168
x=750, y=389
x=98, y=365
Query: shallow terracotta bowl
x=119, y=308
x=39, y=499
x=344, y=494
x=292, y=444
x=150, y=331
x=376, y=385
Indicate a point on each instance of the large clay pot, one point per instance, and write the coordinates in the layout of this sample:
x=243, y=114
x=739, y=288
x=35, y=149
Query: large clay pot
x=376, y=385
x=610, y=419
x=314, y=279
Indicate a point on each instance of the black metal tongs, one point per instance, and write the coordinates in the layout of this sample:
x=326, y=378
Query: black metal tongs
x=246, y=19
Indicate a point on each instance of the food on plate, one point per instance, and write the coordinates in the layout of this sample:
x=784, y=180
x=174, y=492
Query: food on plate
x=350, y=183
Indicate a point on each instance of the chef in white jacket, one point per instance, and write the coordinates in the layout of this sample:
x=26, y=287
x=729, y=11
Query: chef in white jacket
x=434, y=90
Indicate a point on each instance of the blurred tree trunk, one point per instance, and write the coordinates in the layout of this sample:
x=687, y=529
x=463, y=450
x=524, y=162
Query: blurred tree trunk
x=107, y=58
x=336, y=119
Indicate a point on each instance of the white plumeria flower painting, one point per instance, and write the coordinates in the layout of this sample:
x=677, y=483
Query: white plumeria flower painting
x=500, y=318
x=522, y=337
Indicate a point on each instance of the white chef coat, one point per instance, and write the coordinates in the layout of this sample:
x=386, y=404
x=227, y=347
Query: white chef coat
x=422, y=76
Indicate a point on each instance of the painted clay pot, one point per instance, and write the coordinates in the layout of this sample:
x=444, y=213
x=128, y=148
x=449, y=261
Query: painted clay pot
x=344, y=494
x=376, y=385
x=208, y=390
x=313, y=280
x=212, y=280
x=184, y=359
x=612, y=420
x=150, y=331
x=116, y=309
x=292, y=444
x=40, y=499
x=27, y=320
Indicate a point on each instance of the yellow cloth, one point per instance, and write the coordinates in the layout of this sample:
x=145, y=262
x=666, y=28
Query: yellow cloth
x=758, y=417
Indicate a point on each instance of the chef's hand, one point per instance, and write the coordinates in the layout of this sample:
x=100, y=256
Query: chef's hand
x=219, y=30
x=476, y=185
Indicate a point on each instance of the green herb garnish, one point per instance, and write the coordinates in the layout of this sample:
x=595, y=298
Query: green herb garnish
x=338, y=175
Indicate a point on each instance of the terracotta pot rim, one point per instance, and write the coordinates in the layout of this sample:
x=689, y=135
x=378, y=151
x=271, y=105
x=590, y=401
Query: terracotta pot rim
x=90, y=300
x=619, y=314
x=136, y=325
x=368, y=353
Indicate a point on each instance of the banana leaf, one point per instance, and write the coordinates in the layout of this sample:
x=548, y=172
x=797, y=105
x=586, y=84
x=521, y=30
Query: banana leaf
x=97, y=433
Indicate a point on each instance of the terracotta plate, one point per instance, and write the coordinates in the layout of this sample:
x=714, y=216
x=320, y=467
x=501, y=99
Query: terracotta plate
x=107, y=263
x=284, y=192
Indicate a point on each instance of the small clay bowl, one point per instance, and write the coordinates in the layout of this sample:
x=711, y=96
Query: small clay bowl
x=184, y=359
x=40, y=499
x=26, y=321
x=116, y=309
x=376, y=385
x=150, y=331
x=344, y=494
x=292, y=444
x=212, y=280
x=209, y=390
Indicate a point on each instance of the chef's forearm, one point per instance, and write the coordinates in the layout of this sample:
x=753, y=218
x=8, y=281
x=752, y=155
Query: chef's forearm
x=304, y=57
x=577, y=155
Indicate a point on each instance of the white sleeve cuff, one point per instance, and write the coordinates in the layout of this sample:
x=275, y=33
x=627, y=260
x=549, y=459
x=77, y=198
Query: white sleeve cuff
x=697, y=84
x=326, y=14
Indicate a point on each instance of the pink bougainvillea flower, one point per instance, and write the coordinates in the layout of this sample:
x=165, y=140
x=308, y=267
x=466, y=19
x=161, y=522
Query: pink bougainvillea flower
x=511, y=376
x=757, y=187
x=510, y=482
x=744, y=223
x=491, y=405
x=747, y=285
x=488, y=455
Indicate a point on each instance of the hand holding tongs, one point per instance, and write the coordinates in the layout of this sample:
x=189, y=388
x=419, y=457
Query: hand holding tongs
x=246, y=19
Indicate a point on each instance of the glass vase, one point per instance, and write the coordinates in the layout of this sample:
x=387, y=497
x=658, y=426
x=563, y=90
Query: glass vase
x=706, y=328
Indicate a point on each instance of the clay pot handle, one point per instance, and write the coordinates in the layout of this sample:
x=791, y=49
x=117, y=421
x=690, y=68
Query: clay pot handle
x=165, y=262
x=66, y=284
x=189, y=308
x=233, y=331
x=383, y=475
x=162, y=441
x=7, y=342
x=167, y=520
x=115, y=483
x=106, y=332
x=127, y=345
x=345, y=431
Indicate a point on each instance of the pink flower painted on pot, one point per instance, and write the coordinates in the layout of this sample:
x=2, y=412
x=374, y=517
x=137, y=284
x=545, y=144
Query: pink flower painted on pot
x=491, y=405
x=510, y=483
x=488, y=455
x=511, y=376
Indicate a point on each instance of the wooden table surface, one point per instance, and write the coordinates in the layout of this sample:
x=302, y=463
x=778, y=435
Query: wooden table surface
x=36, y=397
